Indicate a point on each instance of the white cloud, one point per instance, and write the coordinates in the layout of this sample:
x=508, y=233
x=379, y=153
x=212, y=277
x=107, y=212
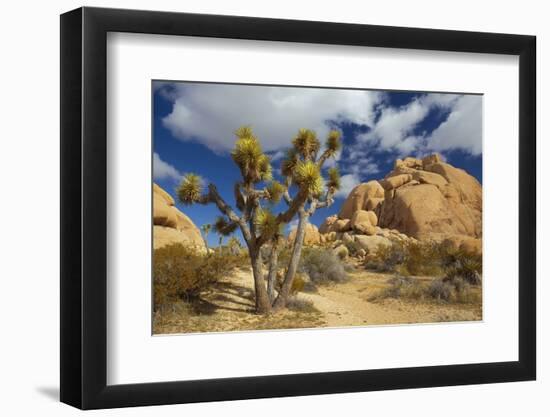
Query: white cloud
x=348, y=182
x=210, y=113
x=163, y=170
x=462, y=129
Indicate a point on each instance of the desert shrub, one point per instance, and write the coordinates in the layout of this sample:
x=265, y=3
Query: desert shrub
x=322, y=266
x=443, y=290
x=296, y=303
x=386, y=258
x=353, y=247
x=400, y=286
x=463, y=265
x=440, y=290
x=298, y=283
x=425, y=258
x=180, y=272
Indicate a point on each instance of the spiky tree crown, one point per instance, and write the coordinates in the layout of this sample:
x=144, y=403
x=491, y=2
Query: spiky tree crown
x=334, y=180
x=267, y=224
x=333, y=144
x=306, y=143
x=275, y=191
x=190, y=189
x=224, y=227
x=307, y=175
x=255, y=166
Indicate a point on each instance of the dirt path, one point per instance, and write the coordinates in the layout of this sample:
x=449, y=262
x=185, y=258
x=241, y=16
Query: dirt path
x=229, y=306
x=348, y=303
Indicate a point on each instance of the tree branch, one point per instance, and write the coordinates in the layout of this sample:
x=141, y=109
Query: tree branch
x=294, y=207
x=324, y=156
x=216, y=198
x=327, y=202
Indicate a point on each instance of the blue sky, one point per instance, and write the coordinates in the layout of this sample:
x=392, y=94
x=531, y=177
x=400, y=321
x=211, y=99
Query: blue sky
x=193, y=125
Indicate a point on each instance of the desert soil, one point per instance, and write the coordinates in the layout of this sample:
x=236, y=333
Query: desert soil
x=229, y=305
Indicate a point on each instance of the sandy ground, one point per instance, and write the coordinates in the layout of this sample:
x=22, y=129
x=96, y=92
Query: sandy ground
x=229, y=306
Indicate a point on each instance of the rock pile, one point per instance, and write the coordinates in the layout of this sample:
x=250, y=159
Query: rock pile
x=420, y=199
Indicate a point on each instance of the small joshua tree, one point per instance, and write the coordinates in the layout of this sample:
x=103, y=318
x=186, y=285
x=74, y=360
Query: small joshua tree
x=205, y=228
x=302, y=172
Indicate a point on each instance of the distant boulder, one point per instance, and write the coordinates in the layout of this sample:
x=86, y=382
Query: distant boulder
x=311, y=237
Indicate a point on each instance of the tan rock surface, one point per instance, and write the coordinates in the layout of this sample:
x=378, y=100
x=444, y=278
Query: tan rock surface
x=359, y=195
x=437, y=202
x=311, y=237
x=171, y=225
x=364, y=222
x=327, y=225
x=424, y=199
x=371, y=243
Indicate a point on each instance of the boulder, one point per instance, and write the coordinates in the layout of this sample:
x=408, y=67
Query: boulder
x=364, y=222
x=431, y=159
x=371, y=243
x=327, y=225
x=357, y=198
x=395, y=181
x=373, y=203
x=341, y=251
x=171, y=225
x=426, y=177
x=311, y=236
x=342, y=225
x=347, y=238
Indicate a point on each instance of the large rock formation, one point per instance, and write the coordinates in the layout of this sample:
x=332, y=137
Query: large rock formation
x=172, y=226
x=430, y=199
x=424, y=199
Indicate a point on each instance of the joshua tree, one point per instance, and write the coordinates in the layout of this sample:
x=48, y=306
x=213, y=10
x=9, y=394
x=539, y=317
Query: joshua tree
x=302, y=172
x=234, y=245
x=206, y=230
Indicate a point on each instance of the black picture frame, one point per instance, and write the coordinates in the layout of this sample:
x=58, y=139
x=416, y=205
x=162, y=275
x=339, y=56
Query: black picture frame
x=84, y=207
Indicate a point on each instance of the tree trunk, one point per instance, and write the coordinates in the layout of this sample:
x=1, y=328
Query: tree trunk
x=282, y=298
x=263, y=306
x=272, y=275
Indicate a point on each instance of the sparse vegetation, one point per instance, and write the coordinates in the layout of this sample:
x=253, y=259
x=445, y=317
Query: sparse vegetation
x=322, y=266
x=353, y=247
x=439, y=290
x=429, y=258
x=181, y=273
x=296, y=303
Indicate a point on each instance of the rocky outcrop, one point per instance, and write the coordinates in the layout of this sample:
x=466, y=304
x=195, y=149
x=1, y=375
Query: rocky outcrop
x=430, y=199
x=311, y=237
x=424, y=199
x=170, y=225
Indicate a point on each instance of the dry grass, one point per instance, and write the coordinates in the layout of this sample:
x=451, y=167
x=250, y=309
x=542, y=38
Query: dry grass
x=441, y=290
x=229, y=306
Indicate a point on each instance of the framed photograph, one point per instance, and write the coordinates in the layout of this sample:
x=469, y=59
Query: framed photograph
x=258, y=208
